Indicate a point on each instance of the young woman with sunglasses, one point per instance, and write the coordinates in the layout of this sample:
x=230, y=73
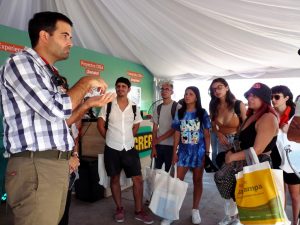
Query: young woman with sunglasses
x=225, y=125
x=282, y=101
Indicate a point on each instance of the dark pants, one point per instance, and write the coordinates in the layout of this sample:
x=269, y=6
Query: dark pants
x=65, y=218
x=164, y=155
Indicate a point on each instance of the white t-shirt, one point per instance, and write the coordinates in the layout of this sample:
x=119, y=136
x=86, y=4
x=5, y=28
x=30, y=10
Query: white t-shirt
x=119, y=134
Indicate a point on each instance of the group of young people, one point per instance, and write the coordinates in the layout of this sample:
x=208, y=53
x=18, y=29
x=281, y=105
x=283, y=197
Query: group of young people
x=231, y=127
x=38, y=111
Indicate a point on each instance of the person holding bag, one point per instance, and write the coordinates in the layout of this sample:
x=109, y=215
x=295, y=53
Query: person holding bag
x=191, y=143
x=282, y=101
x=227, y=114
x=260, y=128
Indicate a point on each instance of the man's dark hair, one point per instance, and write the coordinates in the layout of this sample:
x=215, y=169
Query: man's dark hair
x=123, y=80
x=44, y=21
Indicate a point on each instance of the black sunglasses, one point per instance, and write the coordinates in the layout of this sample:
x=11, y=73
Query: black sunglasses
x=59, y=81
x=277, y=97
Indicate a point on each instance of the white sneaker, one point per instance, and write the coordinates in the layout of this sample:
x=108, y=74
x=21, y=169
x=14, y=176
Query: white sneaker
x=166, y=222
x=226, y=220
x=196, y=219
x=236, y=221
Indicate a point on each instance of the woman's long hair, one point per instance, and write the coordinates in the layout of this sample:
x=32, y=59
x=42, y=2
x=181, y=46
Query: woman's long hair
x=214, y=102
x=199, y=109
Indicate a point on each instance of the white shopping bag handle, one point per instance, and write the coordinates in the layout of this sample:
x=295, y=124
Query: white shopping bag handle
x=152, y=166
x=175, y=170
x=251, y=156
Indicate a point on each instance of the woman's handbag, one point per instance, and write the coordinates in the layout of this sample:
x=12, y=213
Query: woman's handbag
x=259, y=193
x=225, y=180
x=168, y=195
x=209, y=166
x=225, y=176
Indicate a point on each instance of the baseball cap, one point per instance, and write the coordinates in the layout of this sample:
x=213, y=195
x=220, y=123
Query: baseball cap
x=260, y=90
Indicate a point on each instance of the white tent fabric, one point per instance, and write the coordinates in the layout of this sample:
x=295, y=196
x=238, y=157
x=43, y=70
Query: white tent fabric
x=181, y=39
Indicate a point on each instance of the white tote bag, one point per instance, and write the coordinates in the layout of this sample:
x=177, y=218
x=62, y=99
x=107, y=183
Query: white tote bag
x=294, y=153
x=168, y=195
x=149, y=179
x=104, y=180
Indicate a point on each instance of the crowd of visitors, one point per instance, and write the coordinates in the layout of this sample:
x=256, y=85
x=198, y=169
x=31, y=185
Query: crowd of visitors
x=40, y=112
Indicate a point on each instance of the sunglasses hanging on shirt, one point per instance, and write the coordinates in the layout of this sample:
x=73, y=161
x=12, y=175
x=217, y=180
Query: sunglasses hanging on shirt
x=58, y=80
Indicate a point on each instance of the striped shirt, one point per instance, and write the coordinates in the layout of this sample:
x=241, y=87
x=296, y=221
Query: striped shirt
x=34, y=110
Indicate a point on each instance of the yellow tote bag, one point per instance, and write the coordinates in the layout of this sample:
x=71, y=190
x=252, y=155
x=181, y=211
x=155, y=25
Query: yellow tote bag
x=257, y=196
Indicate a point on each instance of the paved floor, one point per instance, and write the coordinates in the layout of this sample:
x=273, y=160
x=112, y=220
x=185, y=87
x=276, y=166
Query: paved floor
x=100, y=212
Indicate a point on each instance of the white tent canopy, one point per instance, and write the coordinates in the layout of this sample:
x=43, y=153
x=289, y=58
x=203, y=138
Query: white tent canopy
x=182, y=39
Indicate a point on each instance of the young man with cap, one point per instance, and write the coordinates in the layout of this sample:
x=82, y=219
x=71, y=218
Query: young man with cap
x=36, y=114
x=119, y=153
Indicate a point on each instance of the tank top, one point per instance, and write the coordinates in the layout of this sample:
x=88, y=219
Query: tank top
x=247, y=138
x=231, y=127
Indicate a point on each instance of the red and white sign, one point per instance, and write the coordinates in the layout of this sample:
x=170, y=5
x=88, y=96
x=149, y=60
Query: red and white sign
x=92, y=68
x=135, y=77
x=12, y=48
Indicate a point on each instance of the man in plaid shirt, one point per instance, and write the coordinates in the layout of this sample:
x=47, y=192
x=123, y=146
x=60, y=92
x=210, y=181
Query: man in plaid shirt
x=37, y=114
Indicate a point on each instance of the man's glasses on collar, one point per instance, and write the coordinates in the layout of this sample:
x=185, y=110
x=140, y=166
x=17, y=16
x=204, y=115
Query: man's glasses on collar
x=59, y=81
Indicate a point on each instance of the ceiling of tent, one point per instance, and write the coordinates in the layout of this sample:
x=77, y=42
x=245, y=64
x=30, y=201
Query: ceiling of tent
x=181, y=39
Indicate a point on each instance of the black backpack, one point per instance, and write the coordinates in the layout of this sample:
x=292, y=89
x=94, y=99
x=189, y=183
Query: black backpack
x=108, y=109
x=173, y=110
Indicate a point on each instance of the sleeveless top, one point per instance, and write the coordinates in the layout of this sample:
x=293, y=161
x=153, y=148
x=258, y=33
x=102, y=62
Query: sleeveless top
x=247, y=138
x=231, y=127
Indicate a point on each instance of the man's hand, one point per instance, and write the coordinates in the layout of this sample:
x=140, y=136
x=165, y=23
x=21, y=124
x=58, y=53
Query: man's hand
x=153, y=152
x=174, y=159
x=83, y=86
x=99, y=101
x=95, y=82
x=73, y=163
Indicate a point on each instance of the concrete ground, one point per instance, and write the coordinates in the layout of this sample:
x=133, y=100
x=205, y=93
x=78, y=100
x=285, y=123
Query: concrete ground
x=101, y=212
